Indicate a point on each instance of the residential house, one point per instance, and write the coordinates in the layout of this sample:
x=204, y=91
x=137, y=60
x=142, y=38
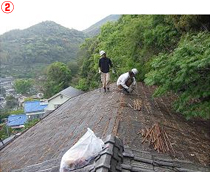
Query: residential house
x=10, y=92
x=34, y=109
x=16, y=121
x=7, y=84
x=61, y=97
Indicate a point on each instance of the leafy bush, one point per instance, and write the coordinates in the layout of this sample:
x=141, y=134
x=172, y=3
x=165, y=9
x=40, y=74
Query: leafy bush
x=5, y=131
x=82, y=85
x=31, y=123
x=186, y=72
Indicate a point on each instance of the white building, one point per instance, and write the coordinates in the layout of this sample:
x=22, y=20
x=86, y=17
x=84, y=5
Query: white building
x=61, y=97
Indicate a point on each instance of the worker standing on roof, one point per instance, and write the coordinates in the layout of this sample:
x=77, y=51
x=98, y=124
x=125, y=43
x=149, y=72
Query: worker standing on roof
x=104, y=64
x=126, y=82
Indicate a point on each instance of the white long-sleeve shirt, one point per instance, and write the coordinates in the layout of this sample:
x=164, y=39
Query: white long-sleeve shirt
x=123, y=78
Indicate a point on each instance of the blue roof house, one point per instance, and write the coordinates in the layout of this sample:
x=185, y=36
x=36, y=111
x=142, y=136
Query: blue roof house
x=34, y=109
x=16, y=121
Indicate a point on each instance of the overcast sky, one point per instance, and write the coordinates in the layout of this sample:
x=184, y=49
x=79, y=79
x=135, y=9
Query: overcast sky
x=80, y=14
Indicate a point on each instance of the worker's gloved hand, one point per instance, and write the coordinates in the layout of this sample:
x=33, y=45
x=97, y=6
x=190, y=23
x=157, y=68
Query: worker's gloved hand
x=126, y=90
x=99, y=71
x=130, y=89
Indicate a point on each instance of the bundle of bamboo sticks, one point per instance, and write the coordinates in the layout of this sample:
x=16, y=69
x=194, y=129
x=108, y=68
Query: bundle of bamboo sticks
x=137, y=103
x=158, y=138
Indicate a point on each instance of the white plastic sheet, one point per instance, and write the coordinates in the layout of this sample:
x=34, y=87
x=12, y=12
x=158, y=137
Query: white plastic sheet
x=79, y=155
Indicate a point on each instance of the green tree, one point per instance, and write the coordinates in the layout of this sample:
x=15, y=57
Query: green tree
x=4, y=113
x=186, y=23
x=73, y=67
x=185, y=72
x=5, y=131
x=58, y=77
x=23, y=85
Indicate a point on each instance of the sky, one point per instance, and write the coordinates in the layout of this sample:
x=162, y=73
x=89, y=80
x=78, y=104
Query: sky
x=81, y=14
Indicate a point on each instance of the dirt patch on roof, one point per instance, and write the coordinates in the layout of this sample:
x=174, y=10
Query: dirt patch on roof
x=190, y=138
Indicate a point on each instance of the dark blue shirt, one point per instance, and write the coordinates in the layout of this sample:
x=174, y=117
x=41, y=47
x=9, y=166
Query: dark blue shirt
x=104, y=64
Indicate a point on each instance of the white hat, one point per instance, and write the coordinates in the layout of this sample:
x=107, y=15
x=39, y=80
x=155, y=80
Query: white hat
x=102, y=52
x=135, y=71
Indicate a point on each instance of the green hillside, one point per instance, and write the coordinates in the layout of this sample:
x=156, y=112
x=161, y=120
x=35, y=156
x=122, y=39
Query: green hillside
x=26, y=52
x=170, y=51
x=95, y=28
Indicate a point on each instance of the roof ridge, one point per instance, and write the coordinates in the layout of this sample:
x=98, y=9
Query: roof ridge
x=116, y=157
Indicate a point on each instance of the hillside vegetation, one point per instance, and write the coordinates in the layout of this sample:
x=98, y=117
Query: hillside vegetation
x=95, y=28
x=172, y=52
x=25, y=52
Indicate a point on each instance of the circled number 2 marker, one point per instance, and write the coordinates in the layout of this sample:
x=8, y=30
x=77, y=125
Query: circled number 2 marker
x=7, y=7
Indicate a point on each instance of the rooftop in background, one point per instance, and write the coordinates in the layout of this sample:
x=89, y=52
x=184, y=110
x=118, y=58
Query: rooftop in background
x=6, y=79
x=16, y=120
x=34, y=106
x=68, y=92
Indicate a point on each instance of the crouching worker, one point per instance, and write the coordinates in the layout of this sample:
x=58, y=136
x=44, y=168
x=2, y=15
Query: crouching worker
x=126, y=82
